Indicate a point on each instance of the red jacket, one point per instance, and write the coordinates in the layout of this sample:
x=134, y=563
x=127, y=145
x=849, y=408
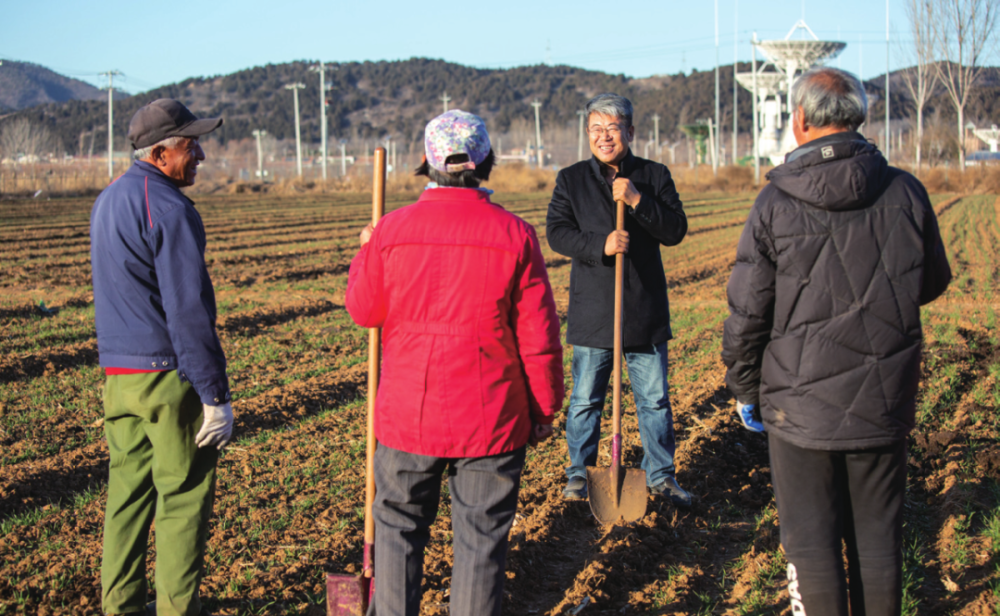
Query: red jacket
x=471, y=350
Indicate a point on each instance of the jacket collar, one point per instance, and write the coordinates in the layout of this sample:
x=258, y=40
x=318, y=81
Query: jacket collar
x=816, y=144
x=450, y=192
x=838, y=172
x=624, y=169
x=150, y=171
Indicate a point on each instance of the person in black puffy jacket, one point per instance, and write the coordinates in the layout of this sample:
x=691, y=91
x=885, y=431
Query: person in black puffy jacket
x=824, y=339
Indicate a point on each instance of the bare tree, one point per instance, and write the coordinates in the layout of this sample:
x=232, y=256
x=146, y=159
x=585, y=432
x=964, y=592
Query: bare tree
x=19, y=137
x=963, y=37
x=922, y=77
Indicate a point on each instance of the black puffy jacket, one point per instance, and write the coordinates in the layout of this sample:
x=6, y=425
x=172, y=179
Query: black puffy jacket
x=839, y=252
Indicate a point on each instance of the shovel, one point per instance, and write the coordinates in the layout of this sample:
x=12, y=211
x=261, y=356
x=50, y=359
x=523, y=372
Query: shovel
x=349, y=595
x=617, y=493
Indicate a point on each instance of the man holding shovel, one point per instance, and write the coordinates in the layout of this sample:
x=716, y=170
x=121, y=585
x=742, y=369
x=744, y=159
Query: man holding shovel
x=472, y=369
x=581, y=225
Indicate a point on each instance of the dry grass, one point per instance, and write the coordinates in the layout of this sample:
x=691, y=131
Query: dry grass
x=984, y=179
x=59, y=180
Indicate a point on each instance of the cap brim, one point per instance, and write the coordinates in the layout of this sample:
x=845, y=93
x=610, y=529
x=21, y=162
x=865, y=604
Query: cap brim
x=197, y=128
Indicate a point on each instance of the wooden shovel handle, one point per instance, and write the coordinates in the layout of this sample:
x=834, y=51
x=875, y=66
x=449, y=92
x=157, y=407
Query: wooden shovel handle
x=374, y=364
x=619, y=280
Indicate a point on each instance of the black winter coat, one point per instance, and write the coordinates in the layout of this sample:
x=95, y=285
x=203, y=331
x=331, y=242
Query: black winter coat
x=838, y=254
x=580, y=218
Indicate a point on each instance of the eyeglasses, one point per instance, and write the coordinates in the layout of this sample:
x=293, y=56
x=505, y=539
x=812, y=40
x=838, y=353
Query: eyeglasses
x=612, y=130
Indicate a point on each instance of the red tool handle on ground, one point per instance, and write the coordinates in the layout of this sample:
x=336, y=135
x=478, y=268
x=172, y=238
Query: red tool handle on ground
x=374, y=364
x=616, y=404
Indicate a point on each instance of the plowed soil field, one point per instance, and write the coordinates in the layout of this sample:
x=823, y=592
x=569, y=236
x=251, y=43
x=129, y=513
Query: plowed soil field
x=290, y=503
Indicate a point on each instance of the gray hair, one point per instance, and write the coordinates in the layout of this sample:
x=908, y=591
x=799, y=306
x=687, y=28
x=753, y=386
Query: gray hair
x=610, y=105
x=144, y=153
x=830, y=97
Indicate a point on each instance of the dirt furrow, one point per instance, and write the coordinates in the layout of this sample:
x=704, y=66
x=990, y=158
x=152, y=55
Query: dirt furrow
x=722, y=225
x=25, y=366
x=35, y=483
x=946, y=205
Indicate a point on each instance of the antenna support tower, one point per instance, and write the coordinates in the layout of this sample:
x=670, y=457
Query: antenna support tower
x=785, y=59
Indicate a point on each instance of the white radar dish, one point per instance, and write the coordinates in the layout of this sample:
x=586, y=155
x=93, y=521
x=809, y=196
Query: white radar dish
x=768, y=84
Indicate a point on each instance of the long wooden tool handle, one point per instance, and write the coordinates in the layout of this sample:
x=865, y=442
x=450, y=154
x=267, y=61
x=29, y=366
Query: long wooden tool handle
x=616, y=405
x=374, y=364
x=619, y=280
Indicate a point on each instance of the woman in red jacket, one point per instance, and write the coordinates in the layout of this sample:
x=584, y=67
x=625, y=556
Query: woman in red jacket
x=471, y=372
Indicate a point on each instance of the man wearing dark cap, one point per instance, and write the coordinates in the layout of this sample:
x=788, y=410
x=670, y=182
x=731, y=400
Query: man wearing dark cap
x=166, y=399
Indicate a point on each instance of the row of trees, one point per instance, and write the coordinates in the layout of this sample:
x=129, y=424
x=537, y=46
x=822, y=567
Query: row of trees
x=951, y=40
x=21, y=139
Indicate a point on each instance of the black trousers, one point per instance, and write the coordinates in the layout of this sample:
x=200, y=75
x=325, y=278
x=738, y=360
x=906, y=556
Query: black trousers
x=831, y=499
x=483, y=502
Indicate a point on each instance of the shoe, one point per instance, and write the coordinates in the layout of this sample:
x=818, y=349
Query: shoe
x=669, y=488
x=576, y=489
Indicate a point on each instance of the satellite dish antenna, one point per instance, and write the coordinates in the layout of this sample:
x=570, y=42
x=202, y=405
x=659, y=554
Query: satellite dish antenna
x=789, y=59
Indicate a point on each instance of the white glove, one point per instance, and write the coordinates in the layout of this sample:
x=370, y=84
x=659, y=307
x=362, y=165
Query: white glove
x=217, y=427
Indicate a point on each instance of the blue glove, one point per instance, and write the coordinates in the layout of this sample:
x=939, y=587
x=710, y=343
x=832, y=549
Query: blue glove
x=749, y=416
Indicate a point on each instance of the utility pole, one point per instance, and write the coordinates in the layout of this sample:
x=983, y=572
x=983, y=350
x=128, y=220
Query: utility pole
x=715, y=147
x=444, y=99
x=579, y=145
x=656, y=136
x=295, y=87
x=260, y=153
x=753, y=112
x=343, y=157
x=538, y=134
x=111, y=126
x=888, y=137
x=736, y=42
x=861, y=61
x=713, y=143
x=321, y=69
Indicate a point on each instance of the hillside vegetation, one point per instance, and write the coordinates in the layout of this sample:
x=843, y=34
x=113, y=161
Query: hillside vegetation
x=23, y=85
x=374, y=99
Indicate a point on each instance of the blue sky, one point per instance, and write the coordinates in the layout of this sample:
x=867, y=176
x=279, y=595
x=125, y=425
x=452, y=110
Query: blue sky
x=156, y=43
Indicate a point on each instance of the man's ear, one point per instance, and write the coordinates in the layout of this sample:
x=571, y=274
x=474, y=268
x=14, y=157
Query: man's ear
x=630, y=134
x=156, y=154
x=799, y=116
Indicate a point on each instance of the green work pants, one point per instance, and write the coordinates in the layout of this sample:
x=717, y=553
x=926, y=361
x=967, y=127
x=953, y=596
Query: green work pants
x=150, y=421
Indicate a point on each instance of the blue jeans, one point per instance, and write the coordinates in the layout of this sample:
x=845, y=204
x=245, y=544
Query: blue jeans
x=647, y=369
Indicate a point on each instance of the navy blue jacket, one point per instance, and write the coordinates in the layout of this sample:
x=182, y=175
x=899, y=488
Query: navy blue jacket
x=153, y=299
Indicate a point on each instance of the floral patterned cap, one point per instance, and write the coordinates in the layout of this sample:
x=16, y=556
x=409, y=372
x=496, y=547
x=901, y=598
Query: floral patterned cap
x=456, y=132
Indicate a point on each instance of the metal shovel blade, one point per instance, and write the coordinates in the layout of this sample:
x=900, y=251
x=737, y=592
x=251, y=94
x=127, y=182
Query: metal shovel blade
x=630, y=504
x=347, y=595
